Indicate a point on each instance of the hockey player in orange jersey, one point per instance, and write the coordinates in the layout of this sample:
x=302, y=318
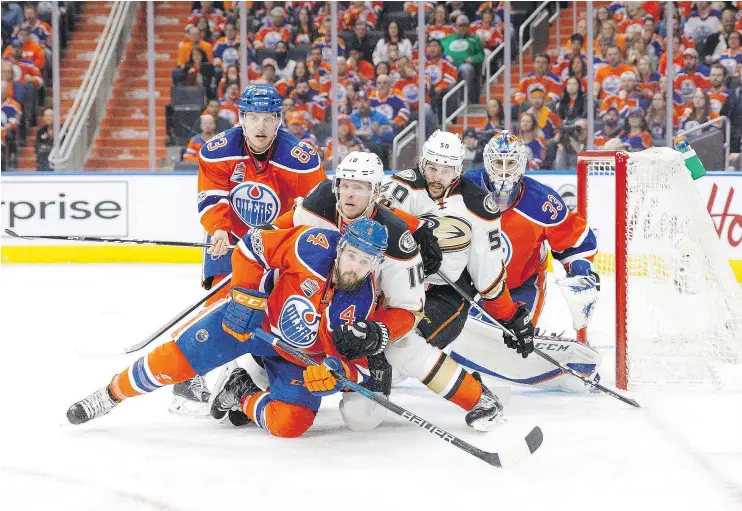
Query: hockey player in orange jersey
x=247, y=176
x=326, y=280
x=535, y=220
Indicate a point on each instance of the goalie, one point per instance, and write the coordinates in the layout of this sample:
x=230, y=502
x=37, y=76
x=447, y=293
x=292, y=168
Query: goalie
x=534, y=220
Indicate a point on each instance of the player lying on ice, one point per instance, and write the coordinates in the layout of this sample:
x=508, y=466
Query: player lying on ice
x=326, y=279
x=535, y=220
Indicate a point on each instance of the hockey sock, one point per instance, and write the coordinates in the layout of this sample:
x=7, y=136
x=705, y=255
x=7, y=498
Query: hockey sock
x=165, y=365
x=277, y=417
x=448, y=379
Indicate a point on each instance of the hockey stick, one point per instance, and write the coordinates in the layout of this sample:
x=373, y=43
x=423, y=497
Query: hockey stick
x=175, y=320
x=94, y=239
x=537, y=351
x=509, y=457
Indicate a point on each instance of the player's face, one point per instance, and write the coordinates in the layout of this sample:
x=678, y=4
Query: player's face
x=353, y=197
x=260, y=129
x=352, y=267
x=439, y=178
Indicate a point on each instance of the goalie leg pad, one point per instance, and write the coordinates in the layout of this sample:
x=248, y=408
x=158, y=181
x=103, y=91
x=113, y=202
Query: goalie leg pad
x=481, y=348
x=360, y=413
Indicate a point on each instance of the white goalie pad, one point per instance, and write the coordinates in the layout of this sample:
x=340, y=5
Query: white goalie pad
x=580, y=293
x=480, y=347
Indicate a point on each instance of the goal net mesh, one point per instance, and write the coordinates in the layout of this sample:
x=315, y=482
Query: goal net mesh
x=683, y=311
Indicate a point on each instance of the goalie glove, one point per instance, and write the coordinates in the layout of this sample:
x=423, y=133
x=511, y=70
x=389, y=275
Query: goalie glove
x=580, y=290
x=429, y=249
x=520, y=324
x=361, y=339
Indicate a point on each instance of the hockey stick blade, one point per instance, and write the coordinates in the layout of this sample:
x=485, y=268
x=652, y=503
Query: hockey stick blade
x=13, y=234
x=515, y=453
x=518, y=451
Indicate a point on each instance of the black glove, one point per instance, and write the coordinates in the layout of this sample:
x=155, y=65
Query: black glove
x=361, y=339
x=429, y=249
x=520, y=324
x=381, y=374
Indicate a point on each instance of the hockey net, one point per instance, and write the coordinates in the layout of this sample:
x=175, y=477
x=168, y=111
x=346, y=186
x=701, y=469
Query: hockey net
x=669, y=298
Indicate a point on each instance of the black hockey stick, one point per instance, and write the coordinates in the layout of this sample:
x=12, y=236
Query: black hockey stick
x=509, y=457
x=95, y=239
x=537, y=351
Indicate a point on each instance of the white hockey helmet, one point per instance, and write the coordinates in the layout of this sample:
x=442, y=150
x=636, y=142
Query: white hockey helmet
x=443, y=148
x=363, y=167
x=505, y=160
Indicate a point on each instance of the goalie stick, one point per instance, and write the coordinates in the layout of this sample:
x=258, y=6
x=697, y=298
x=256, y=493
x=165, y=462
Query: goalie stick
x=509, y=457
x=94, y=239
x=537, y=351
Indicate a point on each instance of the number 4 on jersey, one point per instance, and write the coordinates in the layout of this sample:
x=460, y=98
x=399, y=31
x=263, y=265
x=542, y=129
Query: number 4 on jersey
x=318, y=239
x=348, y=315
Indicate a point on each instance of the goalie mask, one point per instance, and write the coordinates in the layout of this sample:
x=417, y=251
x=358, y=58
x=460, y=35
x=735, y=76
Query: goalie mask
x=442, y=162
x=357, y=184
x=505, y=160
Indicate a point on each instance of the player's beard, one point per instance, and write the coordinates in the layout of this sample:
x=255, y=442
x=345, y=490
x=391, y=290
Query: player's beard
x=438, y=191
x=346, y=281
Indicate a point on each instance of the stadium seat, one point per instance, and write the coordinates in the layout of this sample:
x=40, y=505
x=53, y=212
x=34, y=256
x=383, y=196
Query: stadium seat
x=187, y=103
x=264, y=53
x=374, y=36
x=411, y=35
x=322, y=131
x=186, y=97
x=299, y=52
x=400, y=17
x=394, y=6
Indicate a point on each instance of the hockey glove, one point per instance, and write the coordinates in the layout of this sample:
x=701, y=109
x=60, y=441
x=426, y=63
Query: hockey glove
x=429, y=249
x=381, y=374
x=244, y=312
x=361, y=339
x=580, y=291
x=520, y=324
x=318, y=379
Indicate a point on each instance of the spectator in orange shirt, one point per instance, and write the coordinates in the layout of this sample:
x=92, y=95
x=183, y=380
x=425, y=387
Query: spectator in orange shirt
x=358, y=11
x=317, y=67
x=325, y=41
x=347, y=141
x=611, y=128
x=363, y=69
x=30, y=75
x=692, y=76
x=206, y=32
x=11, y=119
x=647, y=81
x=698, y=113
x=40, y=31
x=608, y=78
x=214, y=17
x=627, y=97
x=268, y=36
x=634, y=22
x=562, y=64
x=208, y=127
x=443, y=75
x=31, y=51
x=677, y=60
x=438, y=27
x=540, y=77
x=548, y=121
x=297, y=126
x=228, y=107
x=718, y=91
x=194, y=41
x=487, y=31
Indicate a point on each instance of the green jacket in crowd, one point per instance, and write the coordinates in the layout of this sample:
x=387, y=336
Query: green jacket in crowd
x=459, y=48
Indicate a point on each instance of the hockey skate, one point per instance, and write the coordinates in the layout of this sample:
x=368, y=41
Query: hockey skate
x=487, y=413
x=99, y=403
x=191, y=398
x=229, y=399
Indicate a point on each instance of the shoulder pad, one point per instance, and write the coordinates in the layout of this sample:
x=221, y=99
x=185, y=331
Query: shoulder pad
x=541, y=204
x=478, y=201
x=478, y=177
x=314, y=254
x=401, y=244
x=305, y=162
x=411, y=178
x=228, y=144
x=321, y=201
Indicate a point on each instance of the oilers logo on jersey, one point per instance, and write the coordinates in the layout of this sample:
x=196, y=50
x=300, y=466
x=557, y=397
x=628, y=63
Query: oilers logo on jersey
x=255, y=203
x=298, y=322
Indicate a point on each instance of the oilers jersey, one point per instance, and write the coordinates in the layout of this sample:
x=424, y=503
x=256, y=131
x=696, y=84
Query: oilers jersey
x=537, y=222
x=303, y=305
x=400, y=276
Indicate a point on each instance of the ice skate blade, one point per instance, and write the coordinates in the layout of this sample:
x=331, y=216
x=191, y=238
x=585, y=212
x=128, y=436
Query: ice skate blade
x=189, y=408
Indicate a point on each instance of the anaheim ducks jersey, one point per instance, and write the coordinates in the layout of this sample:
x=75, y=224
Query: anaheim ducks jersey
x=538, y=221
x=400, y=276
x=236, y=191
x=466, y=222
x=303, y=305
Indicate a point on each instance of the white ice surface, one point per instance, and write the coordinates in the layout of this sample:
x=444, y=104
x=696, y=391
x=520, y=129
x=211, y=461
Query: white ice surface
x=682, y=451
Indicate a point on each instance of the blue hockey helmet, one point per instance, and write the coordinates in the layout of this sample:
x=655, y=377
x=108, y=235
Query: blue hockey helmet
x=366, y=235
x=260, y=97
